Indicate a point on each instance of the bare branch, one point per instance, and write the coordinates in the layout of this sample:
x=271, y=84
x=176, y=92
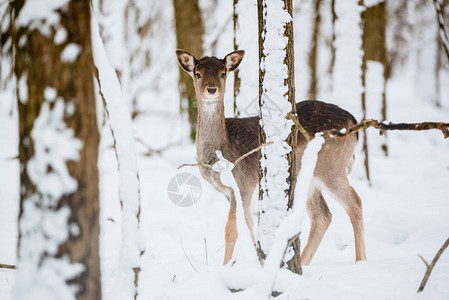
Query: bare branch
x=251, y=152
x=236, y=162
x=424, y=260
x=150, y=151
x=444, y=127
x=6, y=266
x=185, y=254
x=195, y=165
x=301, y=128
x=432, y=265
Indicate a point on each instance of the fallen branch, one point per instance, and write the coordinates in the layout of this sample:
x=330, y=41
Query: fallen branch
x=6, y=266
x=431, y=265
x=235, y=163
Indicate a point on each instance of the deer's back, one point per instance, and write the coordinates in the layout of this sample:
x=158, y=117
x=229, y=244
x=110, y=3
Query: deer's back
x=314, y=115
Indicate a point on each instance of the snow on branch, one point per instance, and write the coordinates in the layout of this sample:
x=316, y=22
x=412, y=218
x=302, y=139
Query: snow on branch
x=126, y=280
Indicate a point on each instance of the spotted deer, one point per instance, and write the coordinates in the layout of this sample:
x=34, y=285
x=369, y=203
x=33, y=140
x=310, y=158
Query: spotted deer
x=236, y=136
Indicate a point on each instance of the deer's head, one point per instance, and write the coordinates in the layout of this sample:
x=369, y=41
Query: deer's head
x=209, y=74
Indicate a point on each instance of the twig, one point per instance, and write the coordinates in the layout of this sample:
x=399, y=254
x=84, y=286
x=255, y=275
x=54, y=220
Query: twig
x=235, y=163
x=251, y=152
x=195, y=165
x=430, y=266
x=301, y=128
x=151, y=151
x=185, y=254
x=6, y=266
x=205, y=249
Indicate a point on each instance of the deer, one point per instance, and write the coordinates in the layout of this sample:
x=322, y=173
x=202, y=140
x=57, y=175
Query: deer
x=237, y=136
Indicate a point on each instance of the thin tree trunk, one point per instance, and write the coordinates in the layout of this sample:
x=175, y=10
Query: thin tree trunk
x=189, y=36
x=313, y=55
x=334, y=18
x=58, y=152
x=269, y=192
x=374, y=49
x=237, y=80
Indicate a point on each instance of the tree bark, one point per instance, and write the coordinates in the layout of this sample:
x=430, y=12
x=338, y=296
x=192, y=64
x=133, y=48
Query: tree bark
x=189, y=36
x=57, y=87
x=264, y=99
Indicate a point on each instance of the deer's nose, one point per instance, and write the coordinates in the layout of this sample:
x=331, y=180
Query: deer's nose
x=211, y=90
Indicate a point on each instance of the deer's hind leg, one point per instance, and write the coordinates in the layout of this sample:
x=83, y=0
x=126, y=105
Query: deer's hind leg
x=320, y=217
x=341, y=190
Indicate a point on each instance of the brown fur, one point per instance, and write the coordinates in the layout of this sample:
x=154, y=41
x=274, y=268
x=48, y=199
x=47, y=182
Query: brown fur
x=236, y=136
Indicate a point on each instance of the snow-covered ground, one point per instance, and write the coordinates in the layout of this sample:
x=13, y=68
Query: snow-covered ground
x=406, y=213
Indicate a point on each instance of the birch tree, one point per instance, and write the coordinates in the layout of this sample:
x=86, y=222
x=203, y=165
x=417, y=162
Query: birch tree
x=276, y=99
x=58, y=149
x=127, y=275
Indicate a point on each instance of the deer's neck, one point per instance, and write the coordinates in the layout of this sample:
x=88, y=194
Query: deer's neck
x=211, y=133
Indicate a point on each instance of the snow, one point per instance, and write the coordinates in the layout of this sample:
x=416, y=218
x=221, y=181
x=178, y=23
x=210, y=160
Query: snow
x=292, y=224
x=44, y=225
x=54, y=145
x=70, y=53
x=41, y=14
x=405, y=209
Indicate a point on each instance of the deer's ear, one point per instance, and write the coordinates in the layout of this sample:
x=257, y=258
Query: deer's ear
x=186, y=61
x=233, y=59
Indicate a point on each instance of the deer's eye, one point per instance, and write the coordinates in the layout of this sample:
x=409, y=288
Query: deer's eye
x=197, y=75
x=223, y=75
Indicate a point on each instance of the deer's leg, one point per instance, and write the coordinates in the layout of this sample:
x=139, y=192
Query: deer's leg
x=347, y=196
x=321, y=218
x=231, y=225
x=249, y=217
x=230, y=230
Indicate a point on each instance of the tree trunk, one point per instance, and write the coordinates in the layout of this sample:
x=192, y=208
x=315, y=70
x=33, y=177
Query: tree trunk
x=313, y=55
x=237, y=80
x=189, y=36
x=58, y=152
x=275, y=104
x=374, y=49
